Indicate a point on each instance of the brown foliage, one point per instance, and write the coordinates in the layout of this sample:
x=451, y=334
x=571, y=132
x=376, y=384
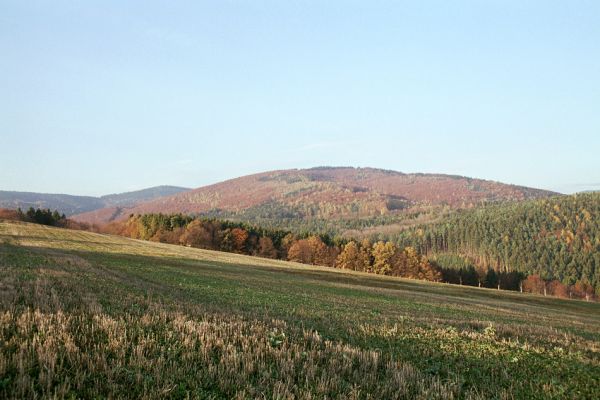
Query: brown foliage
x=9, y=215
x=332, y=190
x=266, y=248
x=172, y=237
x=583, y=290
x=409, y=264
x=238, y=239
x=309, y=251
x=556, y=288
x=127, y=228
x=197, y=234
x=429, y=272
x=534, y=284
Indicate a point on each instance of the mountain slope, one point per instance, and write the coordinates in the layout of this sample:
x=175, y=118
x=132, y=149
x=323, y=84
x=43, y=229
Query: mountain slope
x=64, y=203
x=138, y=196
x=70, y=205
x=557, y=238
x=326, y=194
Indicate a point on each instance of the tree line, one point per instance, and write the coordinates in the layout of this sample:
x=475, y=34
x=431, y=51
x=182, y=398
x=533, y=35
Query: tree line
x=458, y=270
x=35, y=215
x=494, y=247
x=403, y=259
x=381, y=257
x=556, y=240
x=43, y=216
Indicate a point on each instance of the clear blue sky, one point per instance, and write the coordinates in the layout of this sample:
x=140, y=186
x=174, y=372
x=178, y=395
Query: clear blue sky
x=102, y=97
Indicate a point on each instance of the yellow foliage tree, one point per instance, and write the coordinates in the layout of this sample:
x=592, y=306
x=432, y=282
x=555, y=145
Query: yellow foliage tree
x=383, y=253
x=352, y=257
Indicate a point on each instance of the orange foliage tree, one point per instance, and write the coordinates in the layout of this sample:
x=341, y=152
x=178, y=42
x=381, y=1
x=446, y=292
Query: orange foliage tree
x=556, y=288
x=309, y=251
x=10, y=215
x=534, y=284
x=409, y=264
x=583, y=290
x=238, y=239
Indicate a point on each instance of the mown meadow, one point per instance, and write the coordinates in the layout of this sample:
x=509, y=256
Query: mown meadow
x=84, y=315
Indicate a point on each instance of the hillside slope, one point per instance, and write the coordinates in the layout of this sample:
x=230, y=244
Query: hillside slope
x=139, y=196
x=64, y=203
x=87, y=315
x=69, y=204
x=556, y=238
x=324, y=194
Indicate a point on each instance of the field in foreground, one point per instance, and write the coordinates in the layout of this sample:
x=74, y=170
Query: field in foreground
x=84, y=315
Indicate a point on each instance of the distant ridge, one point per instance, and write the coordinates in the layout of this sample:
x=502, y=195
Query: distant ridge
x=137, y=196
x=325, y=193
x=70, y=204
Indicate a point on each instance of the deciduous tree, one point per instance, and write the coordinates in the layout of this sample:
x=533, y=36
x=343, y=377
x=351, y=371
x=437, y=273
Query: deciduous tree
x=383, y=253
x=534, y=284
x=351, y=258
x=266, y=248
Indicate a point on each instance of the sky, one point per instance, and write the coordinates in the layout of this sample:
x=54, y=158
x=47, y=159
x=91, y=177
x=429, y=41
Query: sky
x=110, y=96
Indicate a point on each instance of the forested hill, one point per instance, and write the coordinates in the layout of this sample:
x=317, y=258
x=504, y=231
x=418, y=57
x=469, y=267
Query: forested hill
x=311, y=198
x=64, y=203
x=139, y=196
x=556, y=238
x=70, y=205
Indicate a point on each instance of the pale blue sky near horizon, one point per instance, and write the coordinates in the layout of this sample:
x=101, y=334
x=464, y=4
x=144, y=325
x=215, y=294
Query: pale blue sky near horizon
x=112, y=96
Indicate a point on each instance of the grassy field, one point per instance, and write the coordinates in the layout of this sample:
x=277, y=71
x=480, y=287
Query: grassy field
x=84, y=315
